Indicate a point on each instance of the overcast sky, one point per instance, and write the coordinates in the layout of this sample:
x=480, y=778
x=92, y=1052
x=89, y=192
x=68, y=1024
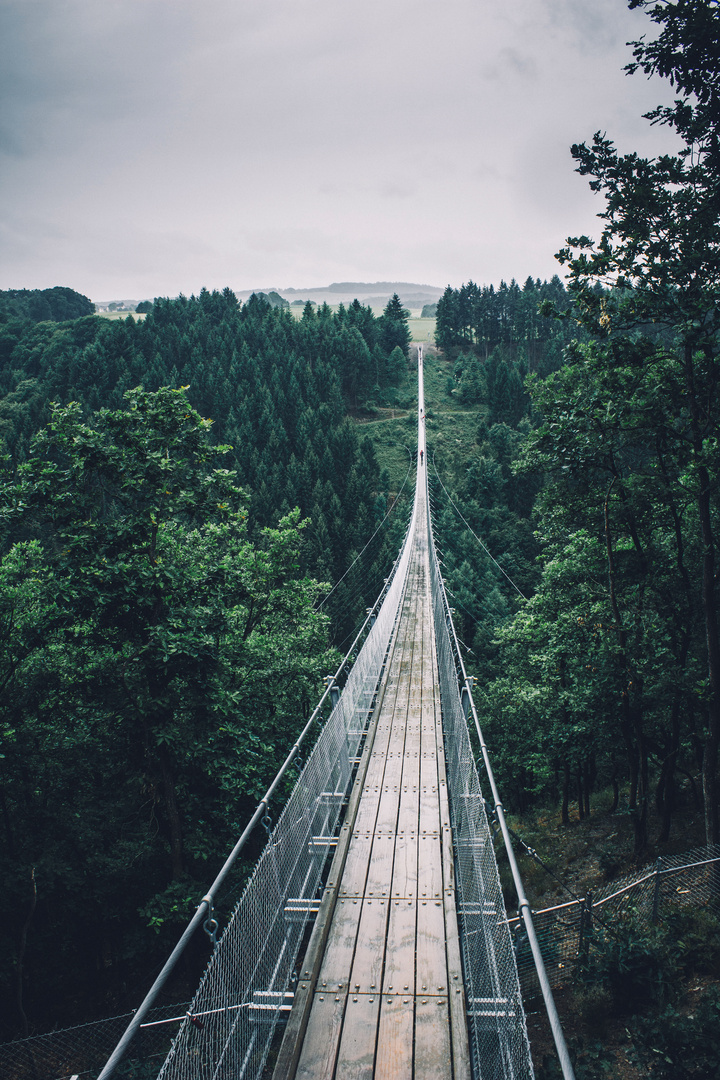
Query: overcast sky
x=150, y=147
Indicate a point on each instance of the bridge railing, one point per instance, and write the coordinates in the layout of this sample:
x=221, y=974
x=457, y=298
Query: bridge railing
x=498, y=1033
x=568, y=930
x=498, y=1037
x=248, y=984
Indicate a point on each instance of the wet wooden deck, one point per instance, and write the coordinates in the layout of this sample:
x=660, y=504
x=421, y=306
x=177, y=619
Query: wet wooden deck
x=381, y=991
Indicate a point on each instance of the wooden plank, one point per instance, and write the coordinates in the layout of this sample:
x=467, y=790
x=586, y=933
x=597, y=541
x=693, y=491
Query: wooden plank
x=409, y=798
x=430, y=878
x=366, y=974
x=405, y=866
x=340, y=948
x=387, y=815
x=356, y=1056
x=408, y=813
x=352, y=882
x=431, y=974
x=365, y=820
x=432, y=1040
x=322, y=1038
x=399, y=972
x=396, y=1033
x=379, y=874
x=429, y=802
x=456, y=988
x=429, y=808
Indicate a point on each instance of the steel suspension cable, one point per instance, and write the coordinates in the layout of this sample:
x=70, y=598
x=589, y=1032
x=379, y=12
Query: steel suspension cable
x=471, y=530
x=387, y=515
x=523, y=903
x=204, y=910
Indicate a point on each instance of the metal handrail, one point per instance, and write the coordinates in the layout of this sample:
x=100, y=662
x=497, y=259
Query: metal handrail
x=523, y=903
x=205, y=907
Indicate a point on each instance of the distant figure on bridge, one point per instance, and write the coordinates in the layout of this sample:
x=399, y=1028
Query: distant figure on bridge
x=421, y=457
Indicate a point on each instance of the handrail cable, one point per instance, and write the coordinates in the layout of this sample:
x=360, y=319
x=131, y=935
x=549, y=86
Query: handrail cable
x=575, y=898
x=366, y=580
x=523, y=903
x=205, y=907
x=387, y=515
x=470, y=529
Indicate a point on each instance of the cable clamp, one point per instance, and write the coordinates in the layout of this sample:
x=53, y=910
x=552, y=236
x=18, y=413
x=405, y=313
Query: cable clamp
x=211, y=925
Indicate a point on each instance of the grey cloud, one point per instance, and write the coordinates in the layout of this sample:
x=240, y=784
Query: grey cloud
x=152, y=146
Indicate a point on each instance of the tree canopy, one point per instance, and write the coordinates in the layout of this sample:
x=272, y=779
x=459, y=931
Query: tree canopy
x=156, y=663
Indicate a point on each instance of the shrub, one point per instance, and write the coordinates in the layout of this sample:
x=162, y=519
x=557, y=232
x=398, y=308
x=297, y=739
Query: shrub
x=676, y=1045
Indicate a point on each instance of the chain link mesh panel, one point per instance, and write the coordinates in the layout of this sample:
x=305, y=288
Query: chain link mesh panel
x=82, y=1050
x=496, y=1021
x=247, y=987
x=691, y=880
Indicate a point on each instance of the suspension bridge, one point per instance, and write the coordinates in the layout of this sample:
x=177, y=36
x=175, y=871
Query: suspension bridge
x=372, y=939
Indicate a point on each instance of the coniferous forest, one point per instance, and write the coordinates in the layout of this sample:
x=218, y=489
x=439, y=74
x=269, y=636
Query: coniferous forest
x=179, y=495
x=197, y=509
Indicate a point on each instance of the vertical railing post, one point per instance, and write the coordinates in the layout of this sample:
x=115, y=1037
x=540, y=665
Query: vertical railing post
x=465, y=696
x=586, y=922
x=656, y=892
x=581, y=928
x=334, y=689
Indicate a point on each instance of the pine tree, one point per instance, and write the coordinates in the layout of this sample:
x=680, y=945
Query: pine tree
x=394, y=327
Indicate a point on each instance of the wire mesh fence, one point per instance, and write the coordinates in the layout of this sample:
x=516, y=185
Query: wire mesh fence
x=691, y=880
x=496, y=1022
x=248, y=985
x=82, y=1050
x=687, y=881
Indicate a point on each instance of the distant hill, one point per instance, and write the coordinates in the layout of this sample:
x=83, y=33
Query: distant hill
x=44, y=305
x=375, y=294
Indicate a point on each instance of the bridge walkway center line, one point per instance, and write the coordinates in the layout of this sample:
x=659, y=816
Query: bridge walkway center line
x=381, y=992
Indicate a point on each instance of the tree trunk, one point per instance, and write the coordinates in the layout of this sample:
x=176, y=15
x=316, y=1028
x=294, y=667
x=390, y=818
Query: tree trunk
x=709, y=602
x=565, y=811
x=693, y=787
x=173, y=814
x=640, y=820
x=587, y=783
x=665, y=799
x=666, y=786
x=8, y=826
x=668, y=806
x=21, y=956
x=632, y=711
x=615, y=785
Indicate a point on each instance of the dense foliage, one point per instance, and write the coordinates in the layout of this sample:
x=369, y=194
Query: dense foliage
x=507, y=321
x=631, y=1002
x=610, y=672
x=161, y=623
x=155, y=665
x=489, y=337
x=40, y=305
x=277, y=389
x=162, y=628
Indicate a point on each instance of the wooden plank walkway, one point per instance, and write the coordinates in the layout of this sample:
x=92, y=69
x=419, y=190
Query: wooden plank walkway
x=381, y=992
